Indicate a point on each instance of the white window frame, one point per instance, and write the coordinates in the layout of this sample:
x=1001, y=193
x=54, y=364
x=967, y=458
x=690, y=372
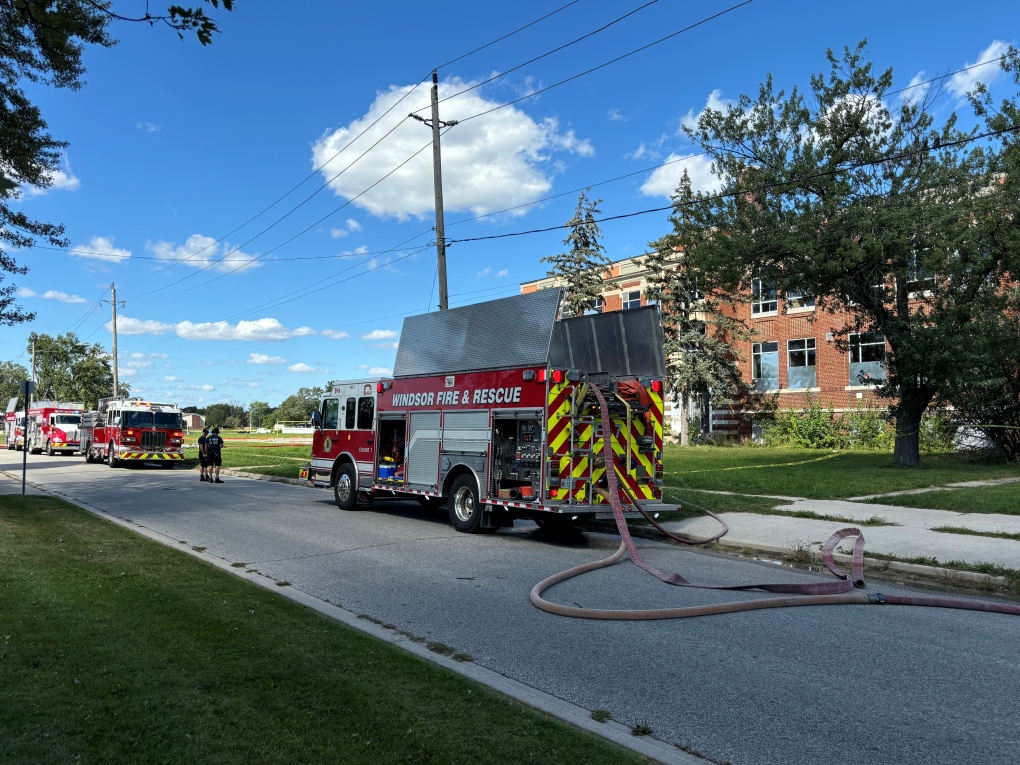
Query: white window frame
x=629, y=302
x=757, y=351
x=759, y=307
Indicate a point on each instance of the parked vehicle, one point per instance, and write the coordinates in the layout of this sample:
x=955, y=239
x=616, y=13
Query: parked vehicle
x=126, y=431
x=53, y=427
x=491, y=411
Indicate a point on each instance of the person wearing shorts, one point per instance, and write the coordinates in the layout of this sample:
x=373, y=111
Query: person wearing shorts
x=203, y=459
x=213, y=449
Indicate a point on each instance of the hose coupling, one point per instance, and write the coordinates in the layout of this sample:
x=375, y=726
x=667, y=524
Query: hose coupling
x=877, y=599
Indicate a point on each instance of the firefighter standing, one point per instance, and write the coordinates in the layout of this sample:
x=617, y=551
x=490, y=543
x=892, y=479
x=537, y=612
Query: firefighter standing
x=213, y=445
x=203, y=457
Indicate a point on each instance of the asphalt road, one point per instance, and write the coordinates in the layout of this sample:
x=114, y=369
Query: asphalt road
x=855, y=685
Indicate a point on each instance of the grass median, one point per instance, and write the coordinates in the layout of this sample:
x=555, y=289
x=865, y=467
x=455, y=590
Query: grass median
x=269, y=459
x=1004, y=499
x=817, y=474
x=114, y=648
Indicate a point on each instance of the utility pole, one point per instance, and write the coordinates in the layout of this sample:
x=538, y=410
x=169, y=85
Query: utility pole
x=437, y=182
x=33, y=378
x=113, y=303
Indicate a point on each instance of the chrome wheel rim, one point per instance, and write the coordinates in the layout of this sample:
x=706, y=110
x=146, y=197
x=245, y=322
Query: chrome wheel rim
x=343, y=488
x=464, y=504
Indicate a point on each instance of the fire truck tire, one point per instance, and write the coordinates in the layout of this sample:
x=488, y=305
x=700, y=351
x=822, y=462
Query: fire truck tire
x=554, y=523
x=111, y=457
x=49, y=448
x=465, y=509
x=344, y=491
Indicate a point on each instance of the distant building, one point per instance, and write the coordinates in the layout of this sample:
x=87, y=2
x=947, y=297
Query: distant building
x=193, y=421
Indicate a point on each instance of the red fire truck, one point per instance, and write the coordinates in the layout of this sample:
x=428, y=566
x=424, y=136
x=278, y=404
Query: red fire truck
x=53, y=427
x=491, y=410
x=133, y=431
x=14, y=427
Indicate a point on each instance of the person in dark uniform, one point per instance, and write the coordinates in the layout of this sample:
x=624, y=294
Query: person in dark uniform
x=203, y=458
x=213, y=448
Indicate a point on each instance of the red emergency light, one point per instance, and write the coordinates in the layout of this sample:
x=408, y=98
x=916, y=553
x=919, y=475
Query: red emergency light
x=558, y=376
x=656, y=386
x=541, y=376
x=378, y=387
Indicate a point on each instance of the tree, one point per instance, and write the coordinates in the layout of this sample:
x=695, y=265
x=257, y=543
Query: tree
x=256, y=411
x=700, y=358
x=906, y=227
x=12, y=375
x=68, y=369
x=223, y=415
x=299, y=407
x=582, y=266
x=41, y=42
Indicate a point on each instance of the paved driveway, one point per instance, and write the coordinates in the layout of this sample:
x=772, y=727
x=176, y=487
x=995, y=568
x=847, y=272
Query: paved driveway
x=806, y=685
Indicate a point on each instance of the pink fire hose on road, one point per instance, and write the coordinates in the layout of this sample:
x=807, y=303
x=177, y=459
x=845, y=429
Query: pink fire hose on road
x=834, y=593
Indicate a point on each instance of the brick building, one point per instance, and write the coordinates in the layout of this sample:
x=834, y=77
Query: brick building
x=792, y=353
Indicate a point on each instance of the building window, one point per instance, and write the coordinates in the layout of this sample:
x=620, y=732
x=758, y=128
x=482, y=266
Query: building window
x=867, y=358
x=919, y=278
x=764, y=300
x=596, y=306
x=800, y=366
x=631, y=300
x=765, y=366
x=799, y=299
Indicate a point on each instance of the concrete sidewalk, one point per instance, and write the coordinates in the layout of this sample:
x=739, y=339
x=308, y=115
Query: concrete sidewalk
x=908, y=534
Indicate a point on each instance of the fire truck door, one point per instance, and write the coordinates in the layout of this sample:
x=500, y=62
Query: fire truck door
x=325, y=441
x=423, y=450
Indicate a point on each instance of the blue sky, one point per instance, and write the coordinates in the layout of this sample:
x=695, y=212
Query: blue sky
x=175, y=148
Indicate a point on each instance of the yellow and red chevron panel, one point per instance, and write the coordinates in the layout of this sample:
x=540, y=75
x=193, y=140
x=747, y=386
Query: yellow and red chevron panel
x=150, y=456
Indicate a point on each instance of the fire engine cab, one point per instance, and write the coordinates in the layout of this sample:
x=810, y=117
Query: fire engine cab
x=53, y=427
x=126, y=431
x=492, y=410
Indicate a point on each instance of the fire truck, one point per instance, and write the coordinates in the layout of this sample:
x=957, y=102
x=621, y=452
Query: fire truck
x=53, y=427
x=14, y=426
x=492, y=411
x=133, y=431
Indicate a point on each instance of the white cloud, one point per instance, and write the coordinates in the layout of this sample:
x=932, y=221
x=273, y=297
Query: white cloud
x=262, y=358
x=355, y=253
x=915, y=91
x=615, y=115
x=379, y=334
x=259, y=329
x=59, y=181
x=498, y=161
x=171, y=378
x=715, y=102
x=148, y=355
x=148, y=127
x=503, y=272
x=333, y=334
x=338, y=233
x=24, y=292
x=63, y=297
x=353, y=225
x=963, y=82
x=302, y=367
x=126, y=372
x=201, y=251
x=137, y=365
x=377, y=371
x=101, y=248
x=392, y=346
x=663, y=180
x=128, y=326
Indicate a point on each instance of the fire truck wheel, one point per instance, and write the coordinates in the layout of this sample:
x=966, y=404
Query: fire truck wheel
x=49, y=449
x=555, y=523
x=343, y=488
x=111, y=457
x=465, y=510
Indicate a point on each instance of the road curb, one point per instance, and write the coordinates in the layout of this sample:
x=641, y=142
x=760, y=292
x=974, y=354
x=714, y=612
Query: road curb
x=271, y=478
x=565, y=711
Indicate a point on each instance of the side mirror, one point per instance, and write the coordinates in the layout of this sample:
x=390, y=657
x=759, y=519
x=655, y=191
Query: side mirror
x=317, y=419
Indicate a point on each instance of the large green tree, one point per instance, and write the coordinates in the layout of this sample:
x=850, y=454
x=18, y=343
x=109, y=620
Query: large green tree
x=299, y=406
x=68, y=369
x=859, y=198
x=701, y=361
x=582, y=266
x=256, y=411
x=41, y=42
x=12, y=375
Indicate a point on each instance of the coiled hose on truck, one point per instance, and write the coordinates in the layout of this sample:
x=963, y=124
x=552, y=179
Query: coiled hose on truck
x=837, y=593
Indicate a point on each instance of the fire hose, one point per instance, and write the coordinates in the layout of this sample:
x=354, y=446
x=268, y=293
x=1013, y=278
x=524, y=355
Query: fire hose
x=832, y=593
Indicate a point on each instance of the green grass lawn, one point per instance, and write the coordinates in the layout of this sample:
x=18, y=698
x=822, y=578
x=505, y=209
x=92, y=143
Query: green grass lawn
x=281, y=461
x=759, y=470
x=1004, y=499
x=115, y=649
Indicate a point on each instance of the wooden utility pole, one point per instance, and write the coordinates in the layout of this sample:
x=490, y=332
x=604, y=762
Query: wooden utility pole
x=113, y=302
x=29, y=399
x=437, y=182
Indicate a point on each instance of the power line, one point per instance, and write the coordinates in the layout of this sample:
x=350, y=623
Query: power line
x=344, y=256
x=769, y=188
x=613, y=61
x=546, y=54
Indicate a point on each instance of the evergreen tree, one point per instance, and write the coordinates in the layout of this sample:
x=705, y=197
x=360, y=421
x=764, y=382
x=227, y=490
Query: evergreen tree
x=581, y=268
x=700, y=360
x=861, y=201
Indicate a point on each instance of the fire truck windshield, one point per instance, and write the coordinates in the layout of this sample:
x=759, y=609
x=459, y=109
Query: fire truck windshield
x=147, y=419
x=66, y=419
